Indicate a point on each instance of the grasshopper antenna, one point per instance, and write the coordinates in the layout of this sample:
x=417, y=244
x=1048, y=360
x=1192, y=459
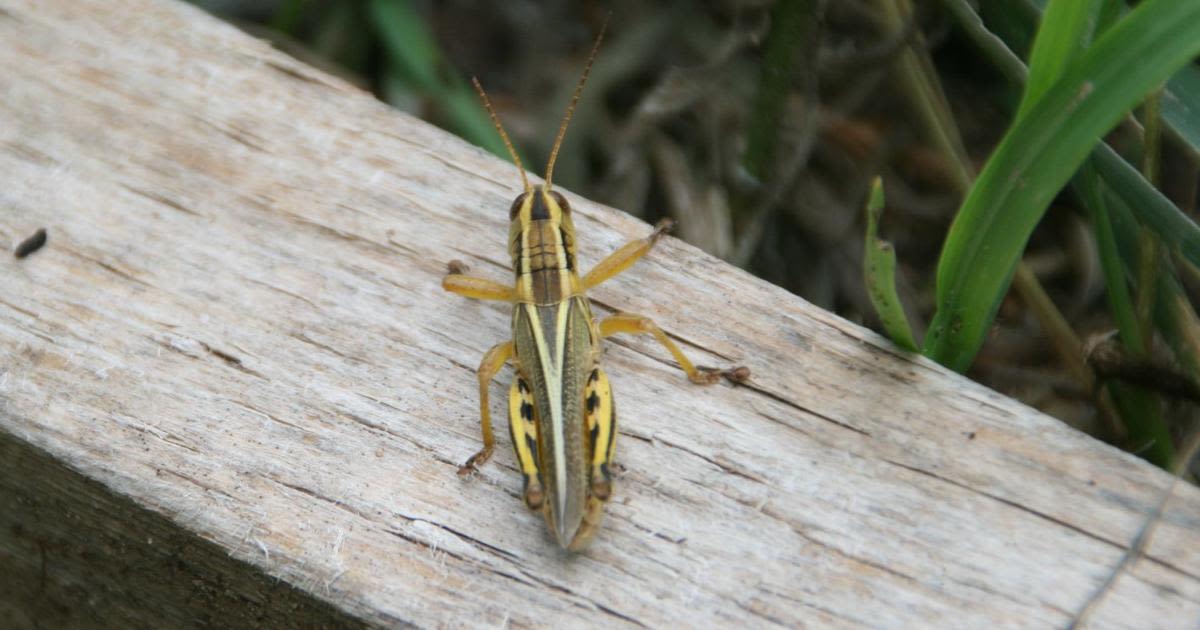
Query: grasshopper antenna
x=562, y=129
x=504, y=136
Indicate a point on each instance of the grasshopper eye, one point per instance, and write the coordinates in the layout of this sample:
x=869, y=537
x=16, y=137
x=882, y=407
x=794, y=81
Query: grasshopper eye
x=561, y=201
x=515, y=209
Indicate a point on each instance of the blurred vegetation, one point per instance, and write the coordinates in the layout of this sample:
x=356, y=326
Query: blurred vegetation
x=760, y=126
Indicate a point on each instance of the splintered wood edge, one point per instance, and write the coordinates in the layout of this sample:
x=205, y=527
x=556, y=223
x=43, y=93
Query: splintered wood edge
x=237, y=323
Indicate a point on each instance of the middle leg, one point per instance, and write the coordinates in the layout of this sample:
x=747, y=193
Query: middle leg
x=627, y=323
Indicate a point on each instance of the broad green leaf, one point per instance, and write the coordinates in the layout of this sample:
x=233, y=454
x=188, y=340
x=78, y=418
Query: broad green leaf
x=879, y=271
x=1037, y=157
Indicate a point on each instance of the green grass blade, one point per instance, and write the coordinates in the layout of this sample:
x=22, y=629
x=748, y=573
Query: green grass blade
x=879, y=271
x=1181, y=107
x=1015, y=21
x=1090, y=188
x=407, y=42
x=1037, y=157
x=996, y=49
x=1153, y=209
x=1064, y=34
x=1150, y=437
x=1142, y=412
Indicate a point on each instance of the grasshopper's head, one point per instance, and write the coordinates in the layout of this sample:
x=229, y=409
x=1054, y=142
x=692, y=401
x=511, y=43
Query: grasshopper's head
x=540, y=204
x=541, y=216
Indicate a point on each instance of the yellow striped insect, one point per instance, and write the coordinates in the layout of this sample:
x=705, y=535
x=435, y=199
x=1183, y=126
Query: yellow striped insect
x=560, y=408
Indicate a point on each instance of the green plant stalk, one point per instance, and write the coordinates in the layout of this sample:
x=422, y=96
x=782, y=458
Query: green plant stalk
x=1171, y=221
x=1174, y=313
x=1148, y=263
x=879, y=271
x=1152, y=138
x=790, y=27
x=1179, y=324
x=1037, y=157
x=1147, y=271
x=1072, y=23
x=1133, y=413
x=932, y=109
x=1149, y=438
x=991, y=45
x=1120, y=303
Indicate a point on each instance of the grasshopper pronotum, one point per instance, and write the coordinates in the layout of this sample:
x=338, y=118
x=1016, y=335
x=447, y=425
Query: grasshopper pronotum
x=561, y=415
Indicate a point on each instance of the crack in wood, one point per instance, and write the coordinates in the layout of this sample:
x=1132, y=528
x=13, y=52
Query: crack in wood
x=270, y=416
x=299, y=336
x=727, y=468
x=232, y=361
x=297, y=72
x=779, y=398
x=162, y=200
x=109, y=267
x=291, y=294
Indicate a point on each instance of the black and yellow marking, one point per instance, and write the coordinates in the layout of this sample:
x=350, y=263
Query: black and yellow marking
x=601, y=416
x=522, y=426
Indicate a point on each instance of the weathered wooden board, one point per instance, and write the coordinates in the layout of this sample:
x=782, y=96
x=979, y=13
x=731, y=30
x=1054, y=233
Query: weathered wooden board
x=237, y=324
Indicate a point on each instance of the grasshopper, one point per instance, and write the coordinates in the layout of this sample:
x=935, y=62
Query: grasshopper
x=561, y=415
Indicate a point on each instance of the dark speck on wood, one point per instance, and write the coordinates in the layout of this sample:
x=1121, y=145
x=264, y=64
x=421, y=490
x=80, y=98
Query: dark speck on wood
x=31, y=244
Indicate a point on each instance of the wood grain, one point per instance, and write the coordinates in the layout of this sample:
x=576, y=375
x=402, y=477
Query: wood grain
x=237, y=324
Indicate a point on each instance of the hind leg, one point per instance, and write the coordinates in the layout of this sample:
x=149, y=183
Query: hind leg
x=523, y=429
